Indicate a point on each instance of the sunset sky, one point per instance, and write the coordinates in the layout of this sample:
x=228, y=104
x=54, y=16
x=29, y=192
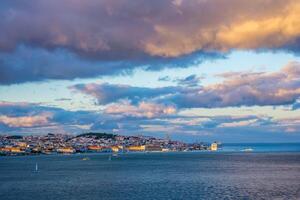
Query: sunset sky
x=199, y=70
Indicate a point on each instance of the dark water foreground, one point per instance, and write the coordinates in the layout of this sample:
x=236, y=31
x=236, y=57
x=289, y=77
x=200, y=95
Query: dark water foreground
x=152, y=176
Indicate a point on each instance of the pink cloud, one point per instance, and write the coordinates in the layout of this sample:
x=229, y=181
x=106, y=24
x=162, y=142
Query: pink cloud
x=26, y=121
x=143, y=109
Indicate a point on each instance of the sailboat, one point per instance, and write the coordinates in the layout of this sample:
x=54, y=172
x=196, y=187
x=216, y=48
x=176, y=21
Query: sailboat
x=36, y=168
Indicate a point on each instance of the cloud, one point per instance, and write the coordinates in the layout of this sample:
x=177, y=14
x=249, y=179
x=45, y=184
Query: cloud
x=109, y=30
x=143, y=109
x=239, y=123
x=237, y=89
x=240, y=25
x=15, y=116
x=296, y=106
x=164, y=78
x=63, y=99
x=27, y=64
x=26, y=121
x=108, y=93
x=147, y=119
x=190, y=81
x=68, y=39
x=28, y=118
x=245, y=89
x=35, y=64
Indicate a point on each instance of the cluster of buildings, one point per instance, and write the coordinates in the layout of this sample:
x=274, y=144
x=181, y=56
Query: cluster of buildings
x=92, y=142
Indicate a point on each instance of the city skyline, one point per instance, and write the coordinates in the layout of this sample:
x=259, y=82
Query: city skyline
x=197, y=70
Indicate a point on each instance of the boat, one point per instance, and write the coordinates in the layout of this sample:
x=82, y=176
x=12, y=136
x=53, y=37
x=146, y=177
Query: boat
x=86, y=158
x=247, y=150
x=115, y=154
x=36, y=168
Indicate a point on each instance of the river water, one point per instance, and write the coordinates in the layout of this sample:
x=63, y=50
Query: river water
x=185, y=175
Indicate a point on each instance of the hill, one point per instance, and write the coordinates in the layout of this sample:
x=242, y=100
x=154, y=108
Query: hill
x=98, y=135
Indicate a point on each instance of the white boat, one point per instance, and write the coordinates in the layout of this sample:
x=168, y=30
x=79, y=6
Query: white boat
x=36, y=167
x=247, y=150
x=115, y=154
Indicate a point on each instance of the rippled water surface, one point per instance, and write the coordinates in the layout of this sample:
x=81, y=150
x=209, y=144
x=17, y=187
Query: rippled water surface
x=152, y=176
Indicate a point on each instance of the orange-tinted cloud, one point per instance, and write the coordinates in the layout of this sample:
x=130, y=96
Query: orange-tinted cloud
x=67, y=39
x=125, y=30
x=219, y=25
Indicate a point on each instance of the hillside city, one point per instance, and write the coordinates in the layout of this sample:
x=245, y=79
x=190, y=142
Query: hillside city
x=92, y=142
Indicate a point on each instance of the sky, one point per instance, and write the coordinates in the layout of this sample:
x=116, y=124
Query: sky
x=196, y=70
